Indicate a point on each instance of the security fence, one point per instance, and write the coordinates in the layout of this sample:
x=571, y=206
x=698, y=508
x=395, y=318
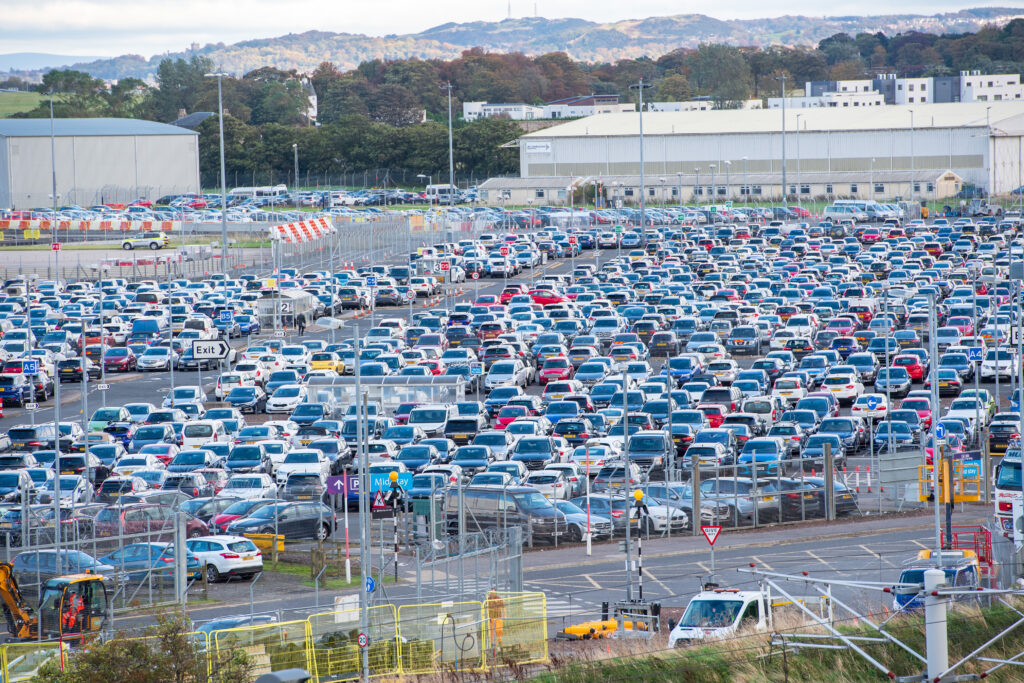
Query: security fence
x=502, y=629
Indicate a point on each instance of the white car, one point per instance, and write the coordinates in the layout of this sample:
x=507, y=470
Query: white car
x=779, y=339
x=229, y=380
x=250, y=486
x=185, y=394
x=843, y=387
x=1007, y=365
x=551, y=483
x=226, y=556
x=507, y=373
x=286, y=398
x=724, y=370
x=137, y=461
x=789, y=390
x=198, y=432
x=860, y=407
x=302, y=461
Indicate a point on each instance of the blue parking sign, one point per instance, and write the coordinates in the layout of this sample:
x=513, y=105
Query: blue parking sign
x=371, y=280
x=975, y=353
x=940, y=431
x=30, y=367
x=872, y=402
x=226, y=316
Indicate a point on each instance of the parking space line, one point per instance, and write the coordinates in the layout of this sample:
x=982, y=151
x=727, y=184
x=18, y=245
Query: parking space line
x=920, y=545
x=761, y=562
x=593, y=583
x=873, y=553
x=703, y=567
x=830, y=567
x=658, y=581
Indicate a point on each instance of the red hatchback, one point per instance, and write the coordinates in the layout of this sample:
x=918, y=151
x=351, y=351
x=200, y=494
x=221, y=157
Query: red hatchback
x=508, y=414
x=556, y=368
x=912, y=364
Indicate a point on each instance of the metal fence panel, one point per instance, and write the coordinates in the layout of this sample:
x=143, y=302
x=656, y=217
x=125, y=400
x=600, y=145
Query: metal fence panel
x=273, y=647
x=442, y=636
x=336, y=651
x=21, y=661
x=517, y=630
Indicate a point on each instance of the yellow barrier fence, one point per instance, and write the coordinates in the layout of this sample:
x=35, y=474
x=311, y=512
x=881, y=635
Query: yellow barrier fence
x=21, y=661
x=446, y=636
x=335, y=647
x=504, y=629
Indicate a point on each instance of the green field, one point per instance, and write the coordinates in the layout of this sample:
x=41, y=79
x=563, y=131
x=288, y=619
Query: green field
x=15, y=102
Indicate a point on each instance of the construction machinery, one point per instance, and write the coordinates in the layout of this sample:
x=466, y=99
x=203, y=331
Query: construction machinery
x=72, y=606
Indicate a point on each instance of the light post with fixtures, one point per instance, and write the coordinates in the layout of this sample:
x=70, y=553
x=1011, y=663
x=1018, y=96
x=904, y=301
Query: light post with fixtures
x=223, y=179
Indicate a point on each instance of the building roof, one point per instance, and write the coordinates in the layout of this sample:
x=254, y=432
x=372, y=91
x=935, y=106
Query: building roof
x=40, y=128
x=192, y=120
x=1004, y=116
x=736, y=178
x=540, y=182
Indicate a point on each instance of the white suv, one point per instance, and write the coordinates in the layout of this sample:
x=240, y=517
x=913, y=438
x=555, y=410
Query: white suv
x=226, y=556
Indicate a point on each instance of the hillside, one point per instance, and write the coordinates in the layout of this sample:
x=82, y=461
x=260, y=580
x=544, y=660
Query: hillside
x=583, y=40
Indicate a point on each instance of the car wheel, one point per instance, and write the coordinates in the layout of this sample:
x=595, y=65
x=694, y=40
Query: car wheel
x=154, y=246
x=195, y=533
x=573, y=535
x=127, y=246
x=323, y=532
x=212, y=575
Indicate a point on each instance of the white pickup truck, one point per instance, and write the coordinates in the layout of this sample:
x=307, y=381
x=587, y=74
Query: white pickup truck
x=720, y=612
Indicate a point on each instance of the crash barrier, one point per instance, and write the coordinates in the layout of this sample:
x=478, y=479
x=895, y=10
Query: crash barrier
x=88, y=226
x=302, y=231
x=502, y=630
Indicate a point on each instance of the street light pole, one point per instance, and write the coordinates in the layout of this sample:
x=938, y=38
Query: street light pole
x=728, y=185
x=295, y=149
x=639, y=87
x=746, y=188
x=911, y=155
x=696, y=185
x=223, y=175
x=451, y=159
x=798, y=201
x=872, y=179
x=782, y=79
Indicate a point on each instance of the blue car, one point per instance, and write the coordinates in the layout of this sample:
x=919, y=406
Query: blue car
x=250, y=399
x=139, y=560
x=415, y=458
x=248, y=324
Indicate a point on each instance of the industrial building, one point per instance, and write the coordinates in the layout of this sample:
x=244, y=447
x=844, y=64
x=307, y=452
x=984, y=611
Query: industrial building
x=920, y=152
x=97, y=161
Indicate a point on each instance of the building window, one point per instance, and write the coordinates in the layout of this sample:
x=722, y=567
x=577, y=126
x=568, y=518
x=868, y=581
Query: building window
x=910, y=99
x=539, y=194
x=930, y=187
x=720, y=189
x=650, y=192
x=853, y=189
x=792, y=189
x=675, y=192
x=917, y=187
x=828, y=188
x=628, y=191
x=709, y=190
x=924, y=86
x=755, y=189
x=805, y=189
x=880, y=188
x=910, y=87
x=561, y=194
x=744, y=190
x=698, y=190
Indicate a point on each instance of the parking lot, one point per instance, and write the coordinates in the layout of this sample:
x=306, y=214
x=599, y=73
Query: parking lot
x=727, y=344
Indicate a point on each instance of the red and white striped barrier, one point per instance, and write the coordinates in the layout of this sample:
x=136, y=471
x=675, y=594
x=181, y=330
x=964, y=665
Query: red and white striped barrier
x=303, y=231
x=92, y=226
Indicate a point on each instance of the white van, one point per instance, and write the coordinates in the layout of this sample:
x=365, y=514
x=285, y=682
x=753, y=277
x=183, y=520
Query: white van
x=198, y=432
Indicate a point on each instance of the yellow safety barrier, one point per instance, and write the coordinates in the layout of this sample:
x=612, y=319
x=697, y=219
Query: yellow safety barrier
x=265, y=542
x=335, y=646
x=270, y=647
x=21, y=661
x=503, y=630
x=966, y=482
x=517, y=629
x=442, y=636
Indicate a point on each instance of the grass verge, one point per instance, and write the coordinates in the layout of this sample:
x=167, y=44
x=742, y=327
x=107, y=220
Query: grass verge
x=301, y=571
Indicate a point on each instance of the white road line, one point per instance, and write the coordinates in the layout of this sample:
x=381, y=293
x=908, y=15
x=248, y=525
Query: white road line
x=703, y=567
x=658, y=581
x=920, y=545
x=869, y=551
x=761, y=562
x=593, y=583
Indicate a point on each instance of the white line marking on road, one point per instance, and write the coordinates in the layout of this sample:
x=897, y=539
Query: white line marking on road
x=920, y=545
x=703, y=567
x=761, y=562
x=593, y=583
x=658, y=581
x=869, y=551
x=830, y=567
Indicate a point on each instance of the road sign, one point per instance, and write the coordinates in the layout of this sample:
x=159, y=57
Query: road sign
x=714, y=209
x=475, y=275
x=711, y=533
x=378, y=501
x=872, y=402
x=55, y=246
x=619, y=229
x=371, y=280
x=975, y=353
x=572, y=239
x=30, y=367
x=362, y=639
x=279, y=333
x=336, y=485
x=31, y=406
x=503, y=251
x=370, y=584
x=210, y=349
x=410, y=294
x=476, y=368
x=445, y=265
x=227, y=316
x=940, y=431
x=103, y=387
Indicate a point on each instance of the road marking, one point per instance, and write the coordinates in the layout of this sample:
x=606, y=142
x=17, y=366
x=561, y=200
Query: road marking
x=593, y=583
x=830, y=567
x=658, y=581
x=762, y=562
x=703, y=567
x=920, y=545
x=872, y=552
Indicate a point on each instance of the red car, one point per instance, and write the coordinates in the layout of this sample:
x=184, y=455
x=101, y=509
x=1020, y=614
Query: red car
x=912, y=364
x=120, y=359
x=236, y=511
x=714, y=412
x=962, y=323
x=844, y=326
x=923, y=406
x=486, y=300
x=508, y=414
x=507, y=294
x=432, y=365
x=799, y=211
x=556, y=368
x=545, y=296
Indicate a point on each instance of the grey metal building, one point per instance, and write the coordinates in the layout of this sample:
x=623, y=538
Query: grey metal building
x=980, y=143
x=98, y=161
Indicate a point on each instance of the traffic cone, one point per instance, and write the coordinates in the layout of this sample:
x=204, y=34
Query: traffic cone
x=1, y=407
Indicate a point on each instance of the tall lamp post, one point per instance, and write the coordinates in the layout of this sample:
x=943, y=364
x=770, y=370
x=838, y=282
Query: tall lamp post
x=746, y=188
x=662, y=182
x=679, y=178
x=798, y=159
x=295, y=149
x=728, y=185
x=451, y=156
x=714, y=188
x=640, y=86
x=223, y=176
x=911, y=154
x=696, y=185
x=872, y=179
x=782, y=80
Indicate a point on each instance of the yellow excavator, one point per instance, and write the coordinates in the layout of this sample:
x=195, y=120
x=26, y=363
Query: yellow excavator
x=72, y=606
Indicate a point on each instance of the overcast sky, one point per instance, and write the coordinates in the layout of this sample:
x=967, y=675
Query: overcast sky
x=148, y=27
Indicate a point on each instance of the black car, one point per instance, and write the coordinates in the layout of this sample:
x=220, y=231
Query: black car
x=207, y=507
x=191, y=484
x=292, y=520
x=70, y=369
x=303, y=486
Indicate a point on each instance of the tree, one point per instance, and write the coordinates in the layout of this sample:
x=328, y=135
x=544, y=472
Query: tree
x=394, y=105
x=165, y=653
x=720, y=72
x=849, y=70
x=180, y=85
x=673, y=88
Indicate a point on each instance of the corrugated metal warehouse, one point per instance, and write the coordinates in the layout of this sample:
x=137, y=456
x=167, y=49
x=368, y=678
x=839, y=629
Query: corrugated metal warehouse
x=722, y=154
x=98, y=161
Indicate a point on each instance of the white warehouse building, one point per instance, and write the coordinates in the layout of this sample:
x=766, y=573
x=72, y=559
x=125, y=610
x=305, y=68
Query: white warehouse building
x=98, y=161
x=976, y=143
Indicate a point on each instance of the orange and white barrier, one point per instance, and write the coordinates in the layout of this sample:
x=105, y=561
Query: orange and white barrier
x=91, y=226
x=303, y=231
